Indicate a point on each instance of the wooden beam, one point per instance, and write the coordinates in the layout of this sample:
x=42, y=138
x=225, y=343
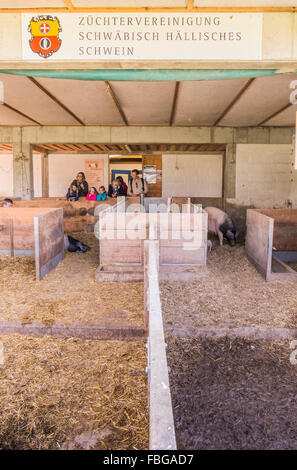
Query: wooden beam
x=93, y=147
x=6, y=147
x=283, y=108
x=41, y=147
x=56, y=100
x=64, y=147
x=20, y=113
x=57, y=147
x=52, y=147
x=174, y=103
x=84, y=147
x=73, y=147
x=276, y=9
x=116, y=102
x=234, y=101
x=105, y=148
x=191, y=148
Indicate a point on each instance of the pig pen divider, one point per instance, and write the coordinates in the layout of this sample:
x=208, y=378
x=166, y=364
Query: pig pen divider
x=33, y=232
x=271, y=240
x=161, y=421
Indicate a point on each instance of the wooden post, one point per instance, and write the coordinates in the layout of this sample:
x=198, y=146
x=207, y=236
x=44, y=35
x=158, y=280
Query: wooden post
x=11, y=234
x=169, y=204
x=146, y=283
x=189, y=205
x=44, y=175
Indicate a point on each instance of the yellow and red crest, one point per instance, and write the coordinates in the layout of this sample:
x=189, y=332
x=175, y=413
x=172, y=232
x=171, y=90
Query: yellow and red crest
x=45, y=35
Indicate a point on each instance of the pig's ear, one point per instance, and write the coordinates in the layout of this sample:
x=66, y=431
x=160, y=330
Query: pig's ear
x=236, y=235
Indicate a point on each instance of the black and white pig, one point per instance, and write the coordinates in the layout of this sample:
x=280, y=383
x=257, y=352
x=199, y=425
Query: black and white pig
x=73, y=245
x=222, y=225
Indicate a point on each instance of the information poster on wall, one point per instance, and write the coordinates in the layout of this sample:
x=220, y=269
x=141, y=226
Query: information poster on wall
x=94, y=173
x=150, y=174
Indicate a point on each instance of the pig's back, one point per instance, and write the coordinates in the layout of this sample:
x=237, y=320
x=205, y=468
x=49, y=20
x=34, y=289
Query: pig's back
x=215, y=218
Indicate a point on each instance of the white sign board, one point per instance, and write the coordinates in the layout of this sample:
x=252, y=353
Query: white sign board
x=142, y=36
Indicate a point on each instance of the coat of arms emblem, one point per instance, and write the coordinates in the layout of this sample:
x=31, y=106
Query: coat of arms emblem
x=45, y=35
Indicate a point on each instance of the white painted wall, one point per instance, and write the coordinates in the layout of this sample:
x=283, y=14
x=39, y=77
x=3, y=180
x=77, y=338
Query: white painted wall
x=6, y=175
x=63, y=169
x=263, y=174
x=192, y=175
x=37, y=175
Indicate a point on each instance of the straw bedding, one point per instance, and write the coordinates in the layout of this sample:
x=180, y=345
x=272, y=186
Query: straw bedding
x=234, y=294
x=68, y=294
x=72, y=394
x=233, y=393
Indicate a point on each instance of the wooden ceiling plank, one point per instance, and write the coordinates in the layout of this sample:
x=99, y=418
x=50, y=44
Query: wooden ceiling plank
x=84, y=147
x=105, y=148
x=94, y=148
x=174, y=103
x=71, y=147
x=116, y=102
x=283, y=108
x=98, y=148
x=234, y=101
x=44, y=146
x=191, y=148
x=56, y=100
x=57, y=147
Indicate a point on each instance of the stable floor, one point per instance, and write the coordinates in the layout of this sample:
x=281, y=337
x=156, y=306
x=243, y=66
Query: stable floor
x=233, y=393
x=234, y=295
x=72, y=394
x=68, y=295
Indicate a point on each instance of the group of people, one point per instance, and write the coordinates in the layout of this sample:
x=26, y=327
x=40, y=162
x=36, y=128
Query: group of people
x=80, y=188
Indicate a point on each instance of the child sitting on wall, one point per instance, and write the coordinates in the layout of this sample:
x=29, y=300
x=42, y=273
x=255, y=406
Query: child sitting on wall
x=72, y=194
x=92, y=194
x=101, y=196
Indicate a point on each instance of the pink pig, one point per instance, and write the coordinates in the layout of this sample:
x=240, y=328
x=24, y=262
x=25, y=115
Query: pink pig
x=221, y=224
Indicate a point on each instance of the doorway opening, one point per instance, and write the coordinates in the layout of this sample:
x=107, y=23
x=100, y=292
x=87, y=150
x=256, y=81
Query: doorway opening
x=149, y=167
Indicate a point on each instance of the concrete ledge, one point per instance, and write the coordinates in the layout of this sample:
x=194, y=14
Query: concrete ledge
x=73, y=331
x=19, y=253
x=162, y=431
x=252, y=332
x=116, y=273
x=173, y=272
